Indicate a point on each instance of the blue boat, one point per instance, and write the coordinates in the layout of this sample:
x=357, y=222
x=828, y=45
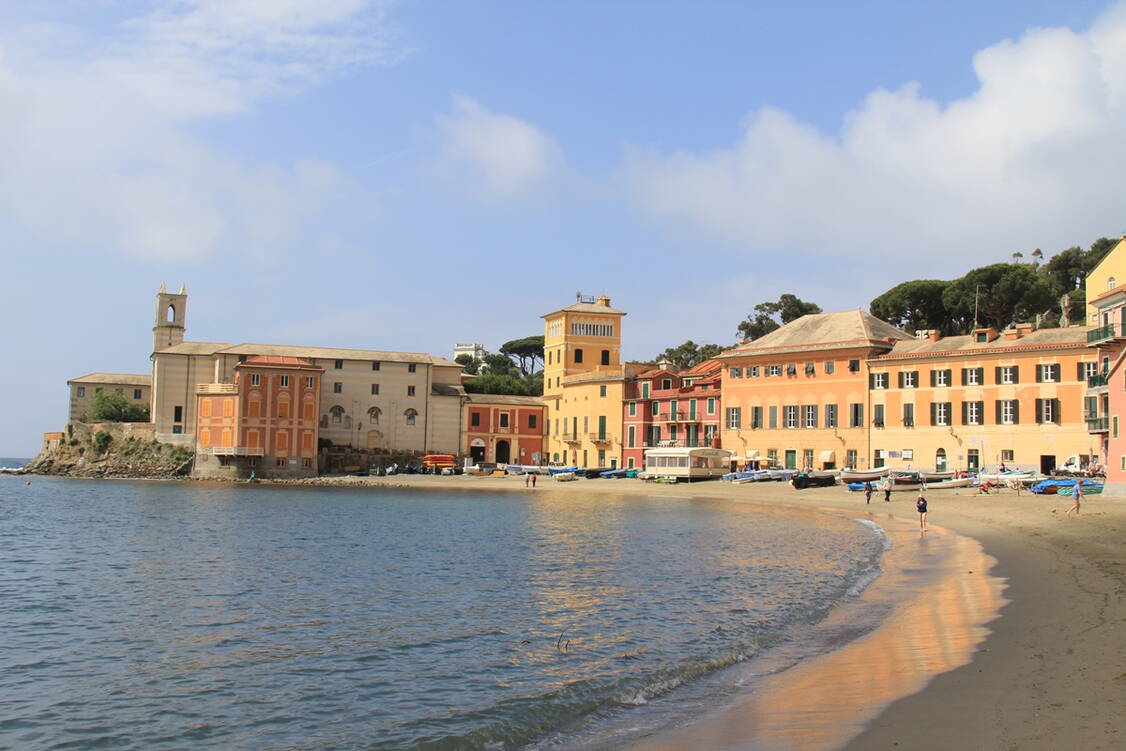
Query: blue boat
x=561, y=470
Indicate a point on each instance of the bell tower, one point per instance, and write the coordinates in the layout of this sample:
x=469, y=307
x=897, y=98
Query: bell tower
x=168, y=329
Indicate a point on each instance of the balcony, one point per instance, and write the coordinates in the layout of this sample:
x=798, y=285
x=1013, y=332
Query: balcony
x=1097, y=381
x=1105, y=333
x=599, y=438
x=570, y=438
x=236, y=451
x=1098, y=424
x=217, y=388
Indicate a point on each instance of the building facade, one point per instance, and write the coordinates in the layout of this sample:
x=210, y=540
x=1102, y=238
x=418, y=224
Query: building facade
x=584, y=383
x=136, y=388
x=504, y=429
x=1105, y=398
x=667, y=408
x=263, y=421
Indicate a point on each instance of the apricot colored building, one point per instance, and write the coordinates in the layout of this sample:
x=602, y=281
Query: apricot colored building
x=1105, y=396
x=504, y=429
x=265, y=421
x=665, y=407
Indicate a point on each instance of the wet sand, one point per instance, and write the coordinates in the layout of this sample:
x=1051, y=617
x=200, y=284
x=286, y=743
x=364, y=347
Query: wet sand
x=1047, y=674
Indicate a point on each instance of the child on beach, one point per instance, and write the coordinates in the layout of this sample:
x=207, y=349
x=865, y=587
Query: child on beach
x=921, y=507
x=867, y=492
x=1076, y=494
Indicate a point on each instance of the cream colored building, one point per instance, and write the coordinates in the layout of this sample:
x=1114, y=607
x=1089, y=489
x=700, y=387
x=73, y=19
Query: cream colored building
x=377, y=399
x=584, y=383
x=135, y=387
x=1108, y=275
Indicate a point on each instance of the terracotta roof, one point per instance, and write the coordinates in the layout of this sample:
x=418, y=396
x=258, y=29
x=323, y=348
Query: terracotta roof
x=704, y=369
x=194, y=348
x=823, y=331
x=123, y=379
x=1071, y=337
x=279, y=361
x=514, y=399
x=446, y=389
x=333, y=353
x=586, y=307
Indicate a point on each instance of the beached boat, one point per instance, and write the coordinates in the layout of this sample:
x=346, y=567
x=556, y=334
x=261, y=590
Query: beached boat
x=613, y=474
x=929, y=477
x=1088, y=488
x=871, y=475
x=814, y=480
x=563, y=476
x=561, y=470
x=747, y=475
x=954, y=482
x=1024, y=476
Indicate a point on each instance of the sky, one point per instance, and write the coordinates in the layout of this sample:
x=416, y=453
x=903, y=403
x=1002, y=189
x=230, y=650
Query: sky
x=407, y=175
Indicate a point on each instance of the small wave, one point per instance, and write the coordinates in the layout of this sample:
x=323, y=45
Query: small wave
x=872, y=570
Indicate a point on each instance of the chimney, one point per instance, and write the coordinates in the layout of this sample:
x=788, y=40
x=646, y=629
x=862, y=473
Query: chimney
x=604, y=301
x=1011, y=333
x=934, y=335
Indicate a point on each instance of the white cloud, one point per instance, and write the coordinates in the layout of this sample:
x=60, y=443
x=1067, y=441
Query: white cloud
x=1034, y=157
x=97, y=134
x=494, y=156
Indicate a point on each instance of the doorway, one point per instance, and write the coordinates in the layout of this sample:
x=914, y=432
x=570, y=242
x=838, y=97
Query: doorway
x=1047, y=464
x=791, y=459
x=504, y=452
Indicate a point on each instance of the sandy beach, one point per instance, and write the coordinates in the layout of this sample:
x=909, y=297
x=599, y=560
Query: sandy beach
x=1047, y=674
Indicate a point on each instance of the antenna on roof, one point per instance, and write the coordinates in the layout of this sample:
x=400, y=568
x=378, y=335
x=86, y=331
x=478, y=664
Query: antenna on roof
x=578, y=296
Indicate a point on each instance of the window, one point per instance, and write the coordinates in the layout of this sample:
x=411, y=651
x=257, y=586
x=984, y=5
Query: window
x=830, y=415
x=279, y=462
x=908, y=415
x=1047, y=373
x=253, y=408
x=666, y=384
x=1089, y=370
x=1008, y=412
x=756, y=418
x=590, y=329
x=829, y=367
x=503, y=419
x=1008, y=374
x=605, y=357
x=475, y=419
x=136, y=393
x=242, y=358
x=1111, y=282
x=412, y=367
x=973, y=376
x=810, y=369
x=879, y=380
x=178, y=413
x=908, y=379
x=410, y=390
x=810, y=416
x=375, y=365
x=602, y=390
x=752, y=371
x=790, y=416
x=631, y=438
x=307, y=409
x=531, y=421
x=338, y=364
x=850, y=458
x=307, y=463
x=853, y=366
x=337, y=387
x=856, y=415
x=791, y=368
x=205, y=408
x=644, y=390
x=940, y=413
x=940, y=378
x=285, y=381
x=772, y=416
x=375, y=389
x=807, y=459
x=734, y=418
x=81, y=391
x=411, y=415
x=1007, y=455
x=1114, y=427
x=578, y=355
x=711, y=405
x=255, y=379
x=972, y=413
x=337, y=413
x=735, y=372
x=656, y=408
x=1047, y=411
x=877, y=415
x=633, y=409
x=308, y=382
x=283, y=410
x=774, y=370
x=373, y=415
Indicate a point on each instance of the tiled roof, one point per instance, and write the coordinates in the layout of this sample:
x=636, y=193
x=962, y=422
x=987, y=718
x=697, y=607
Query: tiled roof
x=446, y=389
x=333, y=353
x=280, y=361
x=194, y=348
x=525, y=401
x=1073, y=336
x=124, y=379
x=823, y=331
x=586, y=307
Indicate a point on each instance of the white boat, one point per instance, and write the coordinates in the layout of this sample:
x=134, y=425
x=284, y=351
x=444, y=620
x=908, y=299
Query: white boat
x=930, y=477
x=563, y=476
x=959, y=482
x=1023, y=476
x=854, y=475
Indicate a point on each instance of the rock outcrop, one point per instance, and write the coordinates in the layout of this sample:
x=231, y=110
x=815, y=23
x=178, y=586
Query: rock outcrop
x=111, y=449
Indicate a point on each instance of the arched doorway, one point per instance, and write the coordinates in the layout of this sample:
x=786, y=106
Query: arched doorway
x=940, y=460
x=503, y=452
x=477, y=450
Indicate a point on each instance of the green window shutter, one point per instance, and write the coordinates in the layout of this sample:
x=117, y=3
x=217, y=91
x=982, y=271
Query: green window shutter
x=949, y=377
x=998, y=404
x=934, y=413
x=1056, y=414
x=997, y=374
x=900, y=379
x=965, y=413
x=1016, y=374
x=981, y=376
x=1016, y=411
x=1039, y=373
x=1056, y=376
x=871, y=381
x=1039, y=411
x=934, y=378
x=965, y=376
x=981, y=412
x=1079, y=369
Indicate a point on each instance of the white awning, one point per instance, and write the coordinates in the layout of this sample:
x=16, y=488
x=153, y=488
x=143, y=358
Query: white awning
x=752, y=454
x=828, y=456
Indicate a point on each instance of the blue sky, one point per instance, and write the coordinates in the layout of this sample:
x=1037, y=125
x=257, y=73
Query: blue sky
x=407, y=175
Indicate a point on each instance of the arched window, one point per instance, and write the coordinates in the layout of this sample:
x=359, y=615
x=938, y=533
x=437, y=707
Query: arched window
x=337, y=413
x=1111, y=283
x=373, y=415
x=170, y=314
x=411, y=414
x=940, y=460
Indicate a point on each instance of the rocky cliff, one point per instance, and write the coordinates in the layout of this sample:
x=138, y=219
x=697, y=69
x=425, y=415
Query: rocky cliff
x=111, y=449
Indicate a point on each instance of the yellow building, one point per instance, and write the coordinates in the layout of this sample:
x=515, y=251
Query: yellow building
x=584, y=382
x=1109, y=274
x=135, y=387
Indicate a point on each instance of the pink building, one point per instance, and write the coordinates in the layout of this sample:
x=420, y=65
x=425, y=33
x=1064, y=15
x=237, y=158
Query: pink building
x=504, y=429
x=667, y=408
x=1104, y=403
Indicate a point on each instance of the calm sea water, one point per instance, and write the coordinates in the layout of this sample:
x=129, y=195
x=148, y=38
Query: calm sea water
x=169, y=616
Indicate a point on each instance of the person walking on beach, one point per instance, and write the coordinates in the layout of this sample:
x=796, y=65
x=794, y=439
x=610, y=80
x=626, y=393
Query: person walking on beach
x=534, y=480
x=527, y=479
x=921, y=507
x=868, y=492
x=1076, y=494
x=887, y=489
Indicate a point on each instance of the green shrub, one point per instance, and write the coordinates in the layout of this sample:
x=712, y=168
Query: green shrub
x=100, y=440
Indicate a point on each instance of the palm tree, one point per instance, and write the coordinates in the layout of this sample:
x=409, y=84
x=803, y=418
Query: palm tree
x=1037, y=256
x=1017, y=256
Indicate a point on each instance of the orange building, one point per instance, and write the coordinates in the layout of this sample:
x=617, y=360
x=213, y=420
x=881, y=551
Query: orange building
x=504, y=429
x=798, y=397
x=265, y=422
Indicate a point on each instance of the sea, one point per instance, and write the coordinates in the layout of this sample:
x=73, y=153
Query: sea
x=168, y=615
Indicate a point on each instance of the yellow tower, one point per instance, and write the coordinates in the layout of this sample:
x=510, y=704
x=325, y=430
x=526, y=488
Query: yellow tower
x=583, y=382
x=168, y=330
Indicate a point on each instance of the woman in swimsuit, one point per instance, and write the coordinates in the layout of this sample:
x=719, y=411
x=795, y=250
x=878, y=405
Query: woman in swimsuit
x=921, y=507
